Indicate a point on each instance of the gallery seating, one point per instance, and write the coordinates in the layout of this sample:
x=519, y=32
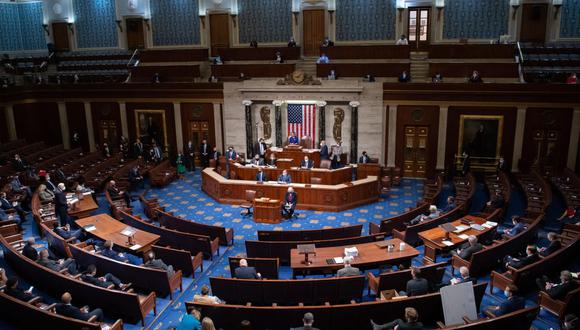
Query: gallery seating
x=397, y=280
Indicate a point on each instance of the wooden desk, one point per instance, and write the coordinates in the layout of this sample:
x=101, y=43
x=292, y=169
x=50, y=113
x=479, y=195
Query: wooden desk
x=296, y=154
x=258, y=54
x=83, y=208
x=369, y=255
x=328, y=177
x=108, y=228
x=357, y=69
x=267, y=210
x=433, y=237
x=368, y=169
x=252, y=70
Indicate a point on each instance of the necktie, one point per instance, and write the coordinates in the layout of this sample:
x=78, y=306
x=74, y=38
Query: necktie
x=204, y=147
x=290, y=197
x=261, y=149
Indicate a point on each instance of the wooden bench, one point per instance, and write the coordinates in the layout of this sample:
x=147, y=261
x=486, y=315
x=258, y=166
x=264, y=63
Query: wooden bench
x=472, y=51
x=310, y=235
x=167, y=73
x=267, y=267
x=398, y=280
x=367, y=52
x=362, y=69
x=520, y=319
x=162, y=174
x=561, y=308
x=252, y=70
x=398, y=222
x=225, y=235
x=258, y=54
x=181, y=260
x=411, y=233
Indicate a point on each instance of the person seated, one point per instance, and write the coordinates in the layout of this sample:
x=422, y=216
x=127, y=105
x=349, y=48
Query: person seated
x=307, y=321
x=555, y=245
x=437, y=78
x=290, y=200
x=364, y=158
x=450, y=205
x=66, y=232
x=332, y=75
x=212, y=79
x=19, y=164
x=557, y=291
x=107, y=251
x=306, y=163
x=347, y=270
x=65, y=308
x=44, y=194
x=475, y=77
x=158, y=264
x=467, y=250
x=292, y=42
x=105, y=281
x=404, y=77
x=570, y=214
x=57, y=265
x=10, y=217
x=190, y=321
x=205, y=297
x=261, y=176
x=28, y=250
x=511, y=304
x=464, y=277
x=417, y=285
x=272, y=160
x=279, y=59
x=246, y=273
x=497, y=201
x=327, y=42
x=403, y=41
x=530, y=257
x=323, y=59
x=3, y=277
x=433, y=213
x=16, y=206
x=218, y=60
x=116, y=193
x=14, y=291
x=411, y=322
x=257, y=161
x=135, y=178
x=516, y=229
x=254, y=43
x=284, y=177
x=572, y=79
x=19, y=188
x=293, y=139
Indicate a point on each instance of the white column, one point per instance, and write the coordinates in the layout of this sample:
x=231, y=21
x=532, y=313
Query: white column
x=178, y=126
x=123, y=114
x=90, y=129
x=217, y=122
x=442, y=137
x=392, y=136
x=64, y=130
x=574, y=140
x=385, y=115
x=519, y=138
x=10, y=122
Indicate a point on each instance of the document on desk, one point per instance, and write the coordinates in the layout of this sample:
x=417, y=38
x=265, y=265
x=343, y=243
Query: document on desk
x=447, y=243
x=135, y=247
x=89, y=228
x=463, y=236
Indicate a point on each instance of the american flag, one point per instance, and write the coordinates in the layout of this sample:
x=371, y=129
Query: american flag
x=302, y=120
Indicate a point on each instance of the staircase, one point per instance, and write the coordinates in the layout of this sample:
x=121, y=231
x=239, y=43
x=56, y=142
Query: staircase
x=307, y=65
x=419, y=66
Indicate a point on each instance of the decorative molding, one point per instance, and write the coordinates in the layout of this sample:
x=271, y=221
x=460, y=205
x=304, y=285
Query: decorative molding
x=277, y=103
x=247, y=103
x=354, y=104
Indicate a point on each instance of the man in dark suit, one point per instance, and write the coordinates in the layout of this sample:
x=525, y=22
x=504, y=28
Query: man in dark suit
x=450, y=205
x=66, y=232
x=411, y=322
x=290, y=200
x=14, y=291
x=90, y=276
x=190, y=156
x=511, y=304
x=364, y=158
x=215, y=155
x=18, y=163
x=307, y=320
x=115, y=193
x=323, y=150
x=135, y=178
x=257, y=161
x=154, y=263
x=557, y=291
x=138, y=149
x=404, y=77
x=230, y=155
x=517, y=263
x=260, y=148
x=261, y=176
x=6, y=205
x=66, y=309
x=59, y=175
x=245, y=272
x=285, y=177
x=306, y=163
x=204, y=151
x=417, y=285
x=48, y=183
x=61, y=204
x=464, y=277
x=29, y=251
x=555, y=245
x=57, y=265
x=108, y=252
x=469, y=249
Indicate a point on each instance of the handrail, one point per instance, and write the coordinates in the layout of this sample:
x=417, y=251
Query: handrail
x=133, y=56
x=521, y=63
x=520, y=52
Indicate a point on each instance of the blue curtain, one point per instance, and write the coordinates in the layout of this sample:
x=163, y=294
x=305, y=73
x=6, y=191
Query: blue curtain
x=475, y=19
x=175, y=22
x=265, y=20
x=95, y=25
x=21, y=26
x=365, y=19
x=570, y=25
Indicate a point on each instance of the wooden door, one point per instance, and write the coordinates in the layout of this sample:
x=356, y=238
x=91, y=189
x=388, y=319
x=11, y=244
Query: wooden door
x=547, y=149
x=219, y=29
x=108, y=133
x=534, y=20
x=198, y=130
x=60, y=36
x=419, y=28
x=135, y=33
x=415, y=153
x=313, y=31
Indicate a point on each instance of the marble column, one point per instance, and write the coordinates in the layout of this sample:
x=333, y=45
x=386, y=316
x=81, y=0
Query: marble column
x=278, y=109
x=442, y=137
x=64, y=129
x=123, y=114
x=519, y=137
x=249, y=129
x=321, y=121
x=217, y=120
x=10, y=122
x=574, y=140
x=353, y=130
x=178, y=127
x=90, y=129
x=392, y=136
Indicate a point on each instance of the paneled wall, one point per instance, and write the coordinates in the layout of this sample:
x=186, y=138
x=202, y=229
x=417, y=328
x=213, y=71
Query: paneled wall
x=265, y=20
x=175, y=22
x=45, y=128
x=21, y=26
x=159, y=108
x=475, y=19
x=365, y=20
x=106, y=112
x=570, y=24
x=95, y=25
x=77, y=122
x=198, y=112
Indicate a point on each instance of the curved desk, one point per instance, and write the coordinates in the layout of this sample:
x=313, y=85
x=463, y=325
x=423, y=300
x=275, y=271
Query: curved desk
x=327, y=177
x=320, y=197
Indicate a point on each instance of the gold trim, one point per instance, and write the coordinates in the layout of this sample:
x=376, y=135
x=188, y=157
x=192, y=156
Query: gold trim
x=138, y=128
x=462, y=119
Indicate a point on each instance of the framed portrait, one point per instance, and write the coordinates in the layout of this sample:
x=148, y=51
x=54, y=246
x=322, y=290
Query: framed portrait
x=151, y=126
x=480, y=136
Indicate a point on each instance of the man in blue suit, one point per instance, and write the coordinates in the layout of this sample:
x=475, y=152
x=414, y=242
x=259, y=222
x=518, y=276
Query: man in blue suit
x=516, y=229
x=306, y=163
x=230, y=155
x=323, y=150
x=261, y=176
x=245, y=272
x=293, y=139
x=512, y=304
x=285, y=177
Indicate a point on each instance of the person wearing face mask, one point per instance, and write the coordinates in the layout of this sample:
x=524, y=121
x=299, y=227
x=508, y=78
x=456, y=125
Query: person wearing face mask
x=511, y=304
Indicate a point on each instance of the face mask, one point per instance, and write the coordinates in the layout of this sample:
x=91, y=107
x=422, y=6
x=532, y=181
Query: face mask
x=506, y=293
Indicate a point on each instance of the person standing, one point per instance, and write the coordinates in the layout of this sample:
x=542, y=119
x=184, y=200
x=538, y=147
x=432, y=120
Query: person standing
x=60, y=204
x=190, y=156
x=204, y=151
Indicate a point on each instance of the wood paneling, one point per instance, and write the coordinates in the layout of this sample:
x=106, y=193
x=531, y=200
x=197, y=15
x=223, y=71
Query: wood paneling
x=135, y=33
x=105, y=111
x=547, y=121
x=453, y=118
x=77, y=122
x=167, y=73
x=38, y=122
x=167, y=108
x=252, y=70
x=219, y=28
x=486, y=70
x=198, y=112
x=3, y=126
x=471, y=51
x=426, y=116
x=362, y=69
x=174, y=55
x=534, y=19
x=60, y=36
x=313, y=31
x=259, y=54
x=369, y=52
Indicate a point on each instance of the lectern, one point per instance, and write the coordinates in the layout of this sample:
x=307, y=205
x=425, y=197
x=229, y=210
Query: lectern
x=306, y=250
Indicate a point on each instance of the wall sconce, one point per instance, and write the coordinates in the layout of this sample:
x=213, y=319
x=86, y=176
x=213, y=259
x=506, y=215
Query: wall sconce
x=557, y=4
x=234, y=19
x=295, y=14
x=439, y=4
x=147, y=20
x=119, y=25
x=331, y=14
x=400, y=8
x=202, y=19
x=71, y=28
x=45, y=27
x=515, y=4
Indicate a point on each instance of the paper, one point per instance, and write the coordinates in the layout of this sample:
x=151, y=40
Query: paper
x=447, y=243
x=351, y=251
x=477, y=227
x=491, y=223
x=463, y=236
x=338, y=260
x=460, y=228
x=86, y=193
x=135, y=247
x=90, y=228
